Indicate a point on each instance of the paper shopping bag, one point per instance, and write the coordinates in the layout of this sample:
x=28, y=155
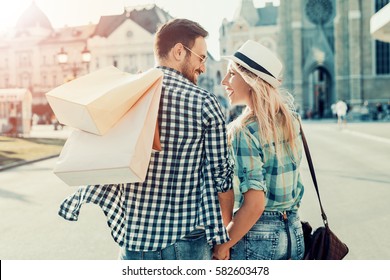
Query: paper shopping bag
x=121, y=155
x=96, y=101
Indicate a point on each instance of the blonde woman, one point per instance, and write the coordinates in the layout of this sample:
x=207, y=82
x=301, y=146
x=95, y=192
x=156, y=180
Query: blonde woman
x=267, y=146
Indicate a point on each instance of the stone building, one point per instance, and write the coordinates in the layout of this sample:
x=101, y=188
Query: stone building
x=30, y=53
x=326, y=47
x=331, y=54
x=258, y=24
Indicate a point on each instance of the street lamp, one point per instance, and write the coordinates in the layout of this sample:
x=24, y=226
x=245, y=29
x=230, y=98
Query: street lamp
x=86, y=56
x=62, y=57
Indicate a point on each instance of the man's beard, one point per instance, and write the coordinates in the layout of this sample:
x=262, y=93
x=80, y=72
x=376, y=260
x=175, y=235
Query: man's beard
x=189, y=74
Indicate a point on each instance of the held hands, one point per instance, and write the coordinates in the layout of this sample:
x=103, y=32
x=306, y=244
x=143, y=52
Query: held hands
x=221, y=252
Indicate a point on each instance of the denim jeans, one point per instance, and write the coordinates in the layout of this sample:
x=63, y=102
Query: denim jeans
x=267, y=239
x=191, y=247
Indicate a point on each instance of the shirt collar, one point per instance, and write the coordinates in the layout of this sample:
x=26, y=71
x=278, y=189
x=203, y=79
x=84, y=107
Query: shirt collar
x=174, y=73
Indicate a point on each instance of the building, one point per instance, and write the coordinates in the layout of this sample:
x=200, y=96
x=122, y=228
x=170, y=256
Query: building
x=337, y=59
x=380, y=24
x=258, y=24
x=327, y=50
x=38, y=57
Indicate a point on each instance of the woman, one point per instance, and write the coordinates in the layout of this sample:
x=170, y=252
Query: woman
x=267, y=146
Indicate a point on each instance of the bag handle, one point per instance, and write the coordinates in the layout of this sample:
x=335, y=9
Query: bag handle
x=313, y=174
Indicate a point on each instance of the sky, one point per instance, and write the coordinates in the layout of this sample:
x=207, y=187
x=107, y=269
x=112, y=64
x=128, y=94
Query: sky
x=209, y=13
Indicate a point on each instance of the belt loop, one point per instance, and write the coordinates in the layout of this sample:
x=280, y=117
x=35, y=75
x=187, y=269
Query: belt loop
x=285, y=219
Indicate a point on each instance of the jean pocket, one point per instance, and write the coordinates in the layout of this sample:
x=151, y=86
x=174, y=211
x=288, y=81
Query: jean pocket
x=193, y=246
x=300, y=242
x=262, y=245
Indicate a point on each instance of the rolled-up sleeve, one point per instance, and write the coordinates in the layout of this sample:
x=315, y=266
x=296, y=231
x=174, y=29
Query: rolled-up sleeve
x=249, y=162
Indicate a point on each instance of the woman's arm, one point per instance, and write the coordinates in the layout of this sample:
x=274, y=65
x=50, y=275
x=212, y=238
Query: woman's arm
x=244, y=219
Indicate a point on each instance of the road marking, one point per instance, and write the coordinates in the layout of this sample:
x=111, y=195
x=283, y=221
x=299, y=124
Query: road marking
x=367, y=136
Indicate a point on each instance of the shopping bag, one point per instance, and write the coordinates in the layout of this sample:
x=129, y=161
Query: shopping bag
x=96, y=101
x=121, y=155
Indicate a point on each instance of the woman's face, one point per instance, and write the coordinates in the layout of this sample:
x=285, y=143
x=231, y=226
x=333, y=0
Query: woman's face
x=237, y=89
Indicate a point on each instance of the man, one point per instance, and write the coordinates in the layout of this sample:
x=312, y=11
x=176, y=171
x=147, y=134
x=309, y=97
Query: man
x=175, y=213
x=341, y=112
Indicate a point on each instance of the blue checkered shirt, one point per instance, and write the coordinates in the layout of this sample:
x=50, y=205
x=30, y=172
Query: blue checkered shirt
x=180, y=192
x=258, y=168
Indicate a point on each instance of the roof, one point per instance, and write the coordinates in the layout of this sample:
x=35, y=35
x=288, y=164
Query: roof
x=13, y=94
x=148, y=17
x=32, y=17
x=268, y=15
x=69, y=34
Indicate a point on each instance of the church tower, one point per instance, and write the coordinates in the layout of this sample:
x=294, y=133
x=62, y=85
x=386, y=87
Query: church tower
x=307, y=48
x=329, y=54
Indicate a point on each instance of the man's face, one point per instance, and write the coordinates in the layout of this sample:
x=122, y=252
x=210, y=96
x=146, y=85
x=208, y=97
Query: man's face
x=194, y=65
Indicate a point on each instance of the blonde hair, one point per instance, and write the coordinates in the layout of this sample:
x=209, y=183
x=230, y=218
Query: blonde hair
x=272, y=109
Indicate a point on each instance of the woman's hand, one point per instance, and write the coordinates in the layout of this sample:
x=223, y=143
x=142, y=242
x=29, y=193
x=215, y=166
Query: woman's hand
x=221, y=252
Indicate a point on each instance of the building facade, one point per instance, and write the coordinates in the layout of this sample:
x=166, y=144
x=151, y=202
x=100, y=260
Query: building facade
x=29, y=53
x=332, y=55
x=249, y=22
x=326, y=47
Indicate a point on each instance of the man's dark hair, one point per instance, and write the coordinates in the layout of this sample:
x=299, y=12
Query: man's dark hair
x=177, y=31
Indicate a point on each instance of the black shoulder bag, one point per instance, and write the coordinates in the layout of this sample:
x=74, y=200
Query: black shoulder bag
x=322, y=244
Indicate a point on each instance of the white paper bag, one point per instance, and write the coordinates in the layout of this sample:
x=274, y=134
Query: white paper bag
x=122, y=155
x=96, y=101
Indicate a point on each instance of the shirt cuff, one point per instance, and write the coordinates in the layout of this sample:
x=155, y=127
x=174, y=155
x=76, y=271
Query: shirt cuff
x=253, y=185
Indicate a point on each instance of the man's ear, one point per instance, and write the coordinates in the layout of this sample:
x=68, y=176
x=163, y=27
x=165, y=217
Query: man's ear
x=178, y=52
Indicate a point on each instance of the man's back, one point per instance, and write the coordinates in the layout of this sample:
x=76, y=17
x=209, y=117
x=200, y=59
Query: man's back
x=341, y=108
x=178, y=195
x=178, y=202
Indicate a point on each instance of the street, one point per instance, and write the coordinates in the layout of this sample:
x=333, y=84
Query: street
x=352, y=168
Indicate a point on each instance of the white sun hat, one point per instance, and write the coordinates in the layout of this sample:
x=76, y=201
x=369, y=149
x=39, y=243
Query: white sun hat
x=259, y=60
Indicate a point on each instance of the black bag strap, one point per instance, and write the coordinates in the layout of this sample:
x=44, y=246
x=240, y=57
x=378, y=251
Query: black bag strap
x=313, y=174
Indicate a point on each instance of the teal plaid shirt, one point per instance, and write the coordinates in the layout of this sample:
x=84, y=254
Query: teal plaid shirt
x=257, y=168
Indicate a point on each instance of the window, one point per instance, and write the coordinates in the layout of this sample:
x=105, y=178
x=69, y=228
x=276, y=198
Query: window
x=44, y=80
x=382, y=49
x=24, y=59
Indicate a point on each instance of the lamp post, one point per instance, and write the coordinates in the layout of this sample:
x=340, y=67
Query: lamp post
x=86, y=56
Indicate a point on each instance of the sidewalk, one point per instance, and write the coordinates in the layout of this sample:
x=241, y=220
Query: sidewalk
x=47, y=131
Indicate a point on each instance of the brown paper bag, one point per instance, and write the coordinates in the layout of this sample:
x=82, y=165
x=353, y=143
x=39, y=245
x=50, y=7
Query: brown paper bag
x=96, y=101
x=121, y=155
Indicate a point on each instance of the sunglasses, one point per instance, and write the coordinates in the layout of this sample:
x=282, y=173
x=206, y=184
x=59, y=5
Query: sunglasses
x=202, y=59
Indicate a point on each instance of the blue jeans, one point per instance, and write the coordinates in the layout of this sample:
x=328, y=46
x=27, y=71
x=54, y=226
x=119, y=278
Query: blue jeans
x=267, y=239
x=193, y=246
